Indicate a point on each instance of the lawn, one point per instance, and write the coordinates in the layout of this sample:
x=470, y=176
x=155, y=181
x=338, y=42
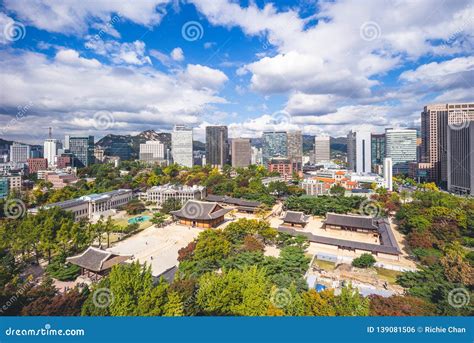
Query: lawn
x=326, y=265
x=388, y=275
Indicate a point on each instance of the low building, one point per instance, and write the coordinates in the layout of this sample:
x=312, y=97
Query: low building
x=14, y=182
x=87, y=206
x=201, y=214
x=282, y=166
x=241, y=205
x=314, y=187
x=60, y=180
x=294, y=218
x=159, y=194
x=96, y=263
x=35, y=164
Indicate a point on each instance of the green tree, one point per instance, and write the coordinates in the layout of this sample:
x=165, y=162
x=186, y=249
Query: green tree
x=364, y=261
x=174, y=306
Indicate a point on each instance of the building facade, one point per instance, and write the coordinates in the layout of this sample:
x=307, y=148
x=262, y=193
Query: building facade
x=377, y=151
x=182, y=146
x=359, y=155
x=35, y=164
x=50, y=148
x=274, y=145
x=401, y=147
x=152, y=151
x=241, y=152
x=217, y=146
x=281, y=165
x=322, y=149
x=159, y=194
x=19, y=153
x=294, y=142
x=460, y=160
x=82, y=149
x=435, y=120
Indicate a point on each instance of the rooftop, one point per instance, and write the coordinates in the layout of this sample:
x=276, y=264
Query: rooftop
x=96, y=259
x=201, y=210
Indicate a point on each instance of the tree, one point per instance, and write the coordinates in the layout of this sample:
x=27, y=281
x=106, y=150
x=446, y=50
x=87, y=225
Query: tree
x=212, y=246
x=252, y=244
x=170, y=204
x=351, y=303
x=319, y=303
x=337, y=190
x=158, y=219
x=134, y=206
x=364, y=261
x=398, y=305
x=174, y=306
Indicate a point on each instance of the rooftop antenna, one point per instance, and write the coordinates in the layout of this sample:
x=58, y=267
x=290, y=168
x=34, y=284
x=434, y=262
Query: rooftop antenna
x=50, y=134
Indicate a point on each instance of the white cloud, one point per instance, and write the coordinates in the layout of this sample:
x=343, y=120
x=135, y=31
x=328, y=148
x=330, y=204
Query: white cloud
x=72, y=17
x=177, y=54
x=128, y=53
x=72, y=58
x=200, y=76
x=310, y=104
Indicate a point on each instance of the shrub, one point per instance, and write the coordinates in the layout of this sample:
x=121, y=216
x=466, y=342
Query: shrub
x=364, y=261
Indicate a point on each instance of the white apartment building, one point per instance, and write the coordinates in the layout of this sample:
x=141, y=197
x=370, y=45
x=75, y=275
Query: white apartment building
x=19, y=153
x=322, y=148
x=159, y=194
x=182, y=146
x=50, y=150
x=152, y=151
x=387, y=173
x=314, y=187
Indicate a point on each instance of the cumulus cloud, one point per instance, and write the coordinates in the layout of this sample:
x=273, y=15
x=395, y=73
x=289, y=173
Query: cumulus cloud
x=127, y=53
x=177, y=54
x=200, y=76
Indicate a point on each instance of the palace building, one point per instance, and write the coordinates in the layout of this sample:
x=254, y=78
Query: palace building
x=201, y=214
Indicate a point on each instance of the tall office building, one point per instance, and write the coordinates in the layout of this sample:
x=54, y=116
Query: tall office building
x=217, y=146
x=460, y=159
x=241, y=152
x=152, y=151
x=82, y=150
x=51, y=147
x=294, y=143
x=19, y=153
x=322, y=149
x=256, y=156
x=435, y=120
x=400, y=146
x=182, y=145
x=359, y=155
x=377, y=152
x=274, y=145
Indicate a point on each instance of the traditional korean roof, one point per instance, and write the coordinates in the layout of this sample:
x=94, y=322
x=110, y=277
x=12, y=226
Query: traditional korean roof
x=201, y=210
x=232, y=201
x=295, y=217
x=96, y=259
x=354, y=221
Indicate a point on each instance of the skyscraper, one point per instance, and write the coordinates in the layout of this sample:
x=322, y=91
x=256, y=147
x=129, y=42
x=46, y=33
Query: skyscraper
x=217, y=146
x=152, y=151
x=359, y=151
x=434, y=127
x=400, y=146
x=82, y=149
x=256, y=155
x=182, y=145
x=19, y=153
x=460, y=160
x=274, y=145
x=295, y=149
x=322, y=148
x=51, y=147
x=241, y=152
x=387, y=173
x=377, y=151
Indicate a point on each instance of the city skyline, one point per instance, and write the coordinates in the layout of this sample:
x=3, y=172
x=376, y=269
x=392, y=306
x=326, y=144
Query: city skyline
x=199, y=74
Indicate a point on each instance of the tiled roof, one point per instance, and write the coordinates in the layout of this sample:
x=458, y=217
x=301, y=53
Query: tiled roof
x=355, y=221
x=232, y=201
x=295, y=217
x=200, y=210
x=96, y=259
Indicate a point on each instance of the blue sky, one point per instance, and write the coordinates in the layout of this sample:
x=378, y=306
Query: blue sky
x=325, y=67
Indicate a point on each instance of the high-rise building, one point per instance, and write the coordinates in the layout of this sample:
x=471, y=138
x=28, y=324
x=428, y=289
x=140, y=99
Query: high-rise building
x=377, y=151
x=82, y=149
x=434, y=127
x=294, y=143
x=359, y=155
x=274, y=145
x=19, y=153
x=388, y=173
x=256, y=156
x=400, y=146
x=182, y=145
x=460, y=159
x=217, y=146
x=51, y=147
x=241, y=152
x=152, y=151
x=322, y=149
